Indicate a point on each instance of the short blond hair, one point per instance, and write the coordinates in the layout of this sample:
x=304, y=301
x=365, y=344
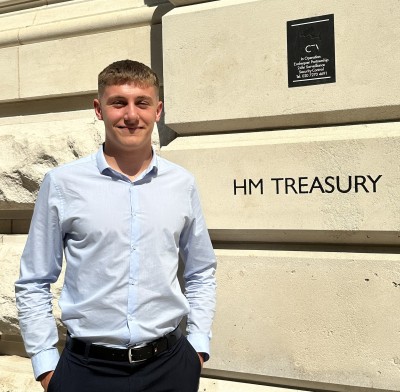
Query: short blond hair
x=127, y=71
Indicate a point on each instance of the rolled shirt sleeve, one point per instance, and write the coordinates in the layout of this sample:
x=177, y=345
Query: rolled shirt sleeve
x=41, y=264
x=199, y=277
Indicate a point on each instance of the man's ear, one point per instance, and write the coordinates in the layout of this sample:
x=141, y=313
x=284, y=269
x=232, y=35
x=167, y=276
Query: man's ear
x=97, y=109
x=159, y=110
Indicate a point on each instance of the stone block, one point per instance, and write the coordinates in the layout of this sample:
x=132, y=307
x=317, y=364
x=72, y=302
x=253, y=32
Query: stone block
x=17, y=375
x=69, y=19
x=222, y=76
x=80, y=9
x=187, y=2
x=337, y=184
x=15, y=20
x=31, y=148
x=32, y=145
x=20, y=226
x=56, y=68
x=329, y=320
x=9, y=70
x=11, y=248
x=212, y=385
x=5, y=226
x=12, y=345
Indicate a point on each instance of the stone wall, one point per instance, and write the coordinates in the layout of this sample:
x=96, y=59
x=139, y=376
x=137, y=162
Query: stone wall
x=50, y=55
x=299, y=185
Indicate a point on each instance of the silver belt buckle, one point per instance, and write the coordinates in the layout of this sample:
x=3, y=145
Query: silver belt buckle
x=130, y=356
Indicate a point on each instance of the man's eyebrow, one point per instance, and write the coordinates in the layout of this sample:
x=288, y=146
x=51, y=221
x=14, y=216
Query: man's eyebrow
x=140, y=97
x=113, y=97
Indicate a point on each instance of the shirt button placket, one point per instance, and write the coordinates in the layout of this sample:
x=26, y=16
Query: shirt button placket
x=133, y=260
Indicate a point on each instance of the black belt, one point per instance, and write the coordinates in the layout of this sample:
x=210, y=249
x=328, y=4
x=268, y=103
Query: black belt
x=132, y=354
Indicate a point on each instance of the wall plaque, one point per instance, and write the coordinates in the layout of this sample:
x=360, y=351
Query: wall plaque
x=311, y=51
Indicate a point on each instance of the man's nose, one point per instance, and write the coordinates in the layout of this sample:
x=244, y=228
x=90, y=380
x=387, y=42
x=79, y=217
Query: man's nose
x=131, y=113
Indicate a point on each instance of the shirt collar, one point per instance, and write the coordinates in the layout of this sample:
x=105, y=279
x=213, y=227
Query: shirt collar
x=106, y=169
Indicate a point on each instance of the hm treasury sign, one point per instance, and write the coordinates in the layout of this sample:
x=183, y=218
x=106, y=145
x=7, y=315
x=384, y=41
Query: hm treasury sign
x=336, y=179
x=305, y=185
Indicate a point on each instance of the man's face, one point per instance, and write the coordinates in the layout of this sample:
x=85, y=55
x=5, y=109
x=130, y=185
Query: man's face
x=129, y=113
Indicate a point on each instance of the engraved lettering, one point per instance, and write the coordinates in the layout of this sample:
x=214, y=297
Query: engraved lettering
x=289, y=183
x=374, y=181
x=303, y=184
x=306, y=185
x=360, y=181
x=236, y=187
x=348, y=187
x=316, y=184
x=329, y=183
x=259, y=183
x=277, y=184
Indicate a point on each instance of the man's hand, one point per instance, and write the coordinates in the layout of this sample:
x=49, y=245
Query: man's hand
x=45, y=379
x=201, y=359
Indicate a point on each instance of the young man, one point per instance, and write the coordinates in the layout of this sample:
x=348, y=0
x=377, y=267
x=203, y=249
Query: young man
x=122, y=216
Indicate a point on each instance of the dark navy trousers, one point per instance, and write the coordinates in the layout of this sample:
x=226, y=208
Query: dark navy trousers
x=175, y=370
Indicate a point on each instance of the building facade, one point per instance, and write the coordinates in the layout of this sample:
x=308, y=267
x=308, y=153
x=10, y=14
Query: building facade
x=287, y=112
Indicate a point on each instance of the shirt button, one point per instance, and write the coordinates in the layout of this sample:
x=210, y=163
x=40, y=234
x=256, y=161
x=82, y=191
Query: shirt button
x=132, y=281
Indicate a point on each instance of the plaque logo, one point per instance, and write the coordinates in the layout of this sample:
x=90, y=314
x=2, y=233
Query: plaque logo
x=311, y=51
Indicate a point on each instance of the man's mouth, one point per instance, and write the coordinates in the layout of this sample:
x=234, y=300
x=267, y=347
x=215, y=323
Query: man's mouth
x=129, y=128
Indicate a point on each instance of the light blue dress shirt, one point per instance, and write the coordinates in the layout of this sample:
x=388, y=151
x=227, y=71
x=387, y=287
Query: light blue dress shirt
x=121, y=241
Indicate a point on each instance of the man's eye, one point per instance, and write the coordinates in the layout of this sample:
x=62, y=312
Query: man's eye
x=118, y=103
x=143, y=104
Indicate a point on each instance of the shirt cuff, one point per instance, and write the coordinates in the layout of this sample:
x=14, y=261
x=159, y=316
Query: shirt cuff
x=45, y=361
x=201, y=343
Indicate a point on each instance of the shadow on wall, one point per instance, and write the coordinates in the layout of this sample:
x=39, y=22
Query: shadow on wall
x=153, y=3
x=166, y=134
x=49, y=105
